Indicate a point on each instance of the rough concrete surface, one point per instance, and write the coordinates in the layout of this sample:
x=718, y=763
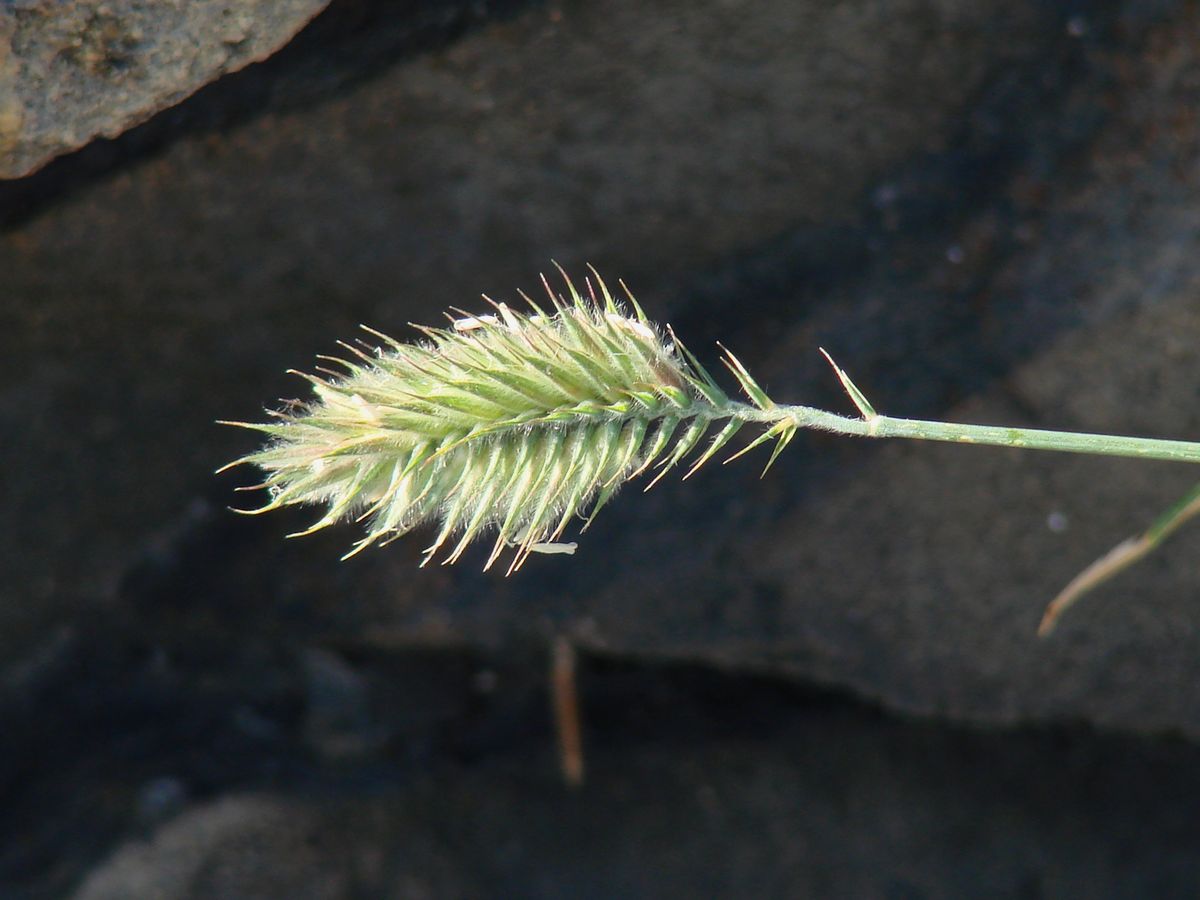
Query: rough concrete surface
x=987, y=211
x=74, y=71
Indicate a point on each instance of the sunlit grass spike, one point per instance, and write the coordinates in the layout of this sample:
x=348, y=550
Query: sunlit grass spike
x=512, y=421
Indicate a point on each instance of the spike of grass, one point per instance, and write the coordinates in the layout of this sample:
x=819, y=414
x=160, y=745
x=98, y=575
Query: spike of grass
x=514, y=423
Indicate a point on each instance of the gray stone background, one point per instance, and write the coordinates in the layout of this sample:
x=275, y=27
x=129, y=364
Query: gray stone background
x=824, y=683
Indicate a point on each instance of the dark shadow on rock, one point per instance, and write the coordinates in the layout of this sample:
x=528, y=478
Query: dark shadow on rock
x=723, y=780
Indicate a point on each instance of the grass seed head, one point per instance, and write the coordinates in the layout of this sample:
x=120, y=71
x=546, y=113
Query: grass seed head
x=507, y=422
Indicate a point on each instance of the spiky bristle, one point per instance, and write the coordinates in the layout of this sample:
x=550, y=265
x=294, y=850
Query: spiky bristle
x=507, y=421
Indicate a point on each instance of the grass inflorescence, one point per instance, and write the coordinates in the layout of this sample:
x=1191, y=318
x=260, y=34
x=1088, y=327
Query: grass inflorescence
x=513, y=422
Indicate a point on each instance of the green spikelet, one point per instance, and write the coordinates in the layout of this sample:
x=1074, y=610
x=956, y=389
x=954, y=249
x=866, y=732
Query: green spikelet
x=510, y=422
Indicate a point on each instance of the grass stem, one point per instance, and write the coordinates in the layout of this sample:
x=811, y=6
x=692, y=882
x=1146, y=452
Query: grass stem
x=880, y=426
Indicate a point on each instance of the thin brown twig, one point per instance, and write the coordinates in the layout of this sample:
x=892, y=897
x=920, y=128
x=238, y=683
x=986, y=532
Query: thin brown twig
x=564, y=695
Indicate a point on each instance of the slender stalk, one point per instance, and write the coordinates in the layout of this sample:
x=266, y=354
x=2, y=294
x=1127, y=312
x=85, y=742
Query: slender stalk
x=880, y=426
x=1121, y=557
x=564, y=691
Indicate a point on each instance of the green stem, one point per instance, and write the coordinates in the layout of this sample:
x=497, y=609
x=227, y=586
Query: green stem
x=879, y=426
